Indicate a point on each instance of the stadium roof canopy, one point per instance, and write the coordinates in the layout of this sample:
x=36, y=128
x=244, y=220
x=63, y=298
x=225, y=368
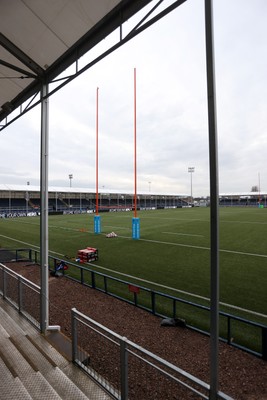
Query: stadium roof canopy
x=65, y=189
x=41, y=39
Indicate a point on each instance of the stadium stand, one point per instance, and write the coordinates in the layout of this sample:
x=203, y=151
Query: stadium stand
x=20, y=200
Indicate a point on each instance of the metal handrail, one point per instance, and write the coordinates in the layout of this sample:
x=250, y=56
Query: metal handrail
x=127, y=346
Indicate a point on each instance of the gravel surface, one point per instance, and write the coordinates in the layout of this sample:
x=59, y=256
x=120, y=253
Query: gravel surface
x=242, y=376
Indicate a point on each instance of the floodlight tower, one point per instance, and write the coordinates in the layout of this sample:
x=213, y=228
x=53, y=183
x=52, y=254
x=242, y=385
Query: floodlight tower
x=259, y=176
x=70, y=178
x=191, y=170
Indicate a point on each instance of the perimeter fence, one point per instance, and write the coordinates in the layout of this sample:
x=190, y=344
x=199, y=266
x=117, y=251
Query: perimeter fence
x=236, y=331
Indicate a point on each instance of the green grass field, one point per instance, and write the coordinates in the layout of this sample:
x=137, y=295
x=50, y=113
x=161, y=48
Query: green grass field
x=172, y=255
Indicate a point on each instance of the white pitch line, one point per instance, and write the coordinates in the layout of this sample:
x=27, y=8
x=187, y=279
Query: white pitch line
x=162, y=242
x=244, y=254
x=179, y=291
x=244, y=310
x=182, y=234
x=245, y=222
x=117, y=227
x=168, y=243
x=28, y=244
x=19, y=241
x=183, y=245
x=198, y=247
x=152, y=283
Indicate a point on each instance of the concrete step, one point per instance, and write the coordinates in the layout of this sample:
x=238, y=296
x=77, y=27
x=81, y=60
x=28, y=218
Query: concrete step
x=32, y=368
x=10, y=387
x=27, y=372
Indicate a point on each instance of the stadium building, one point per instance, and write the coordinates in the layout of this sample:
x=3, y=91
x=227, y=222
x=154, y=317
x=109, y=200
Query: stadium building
x=26, y=200
x=17, y=200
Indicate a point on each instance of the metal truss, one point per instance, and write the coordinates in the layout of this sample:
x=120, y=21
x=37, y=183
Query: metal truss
x=30, y=97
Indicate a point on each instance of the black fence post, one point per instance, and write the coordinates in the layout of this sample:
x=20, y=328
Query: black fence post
x=174, y=308
x=93, y=279
x=105, y=284
x=135, y=298
x=55, y=264
x=153, y=300
x=229, y=330
x=264, y=343
x=82, y=277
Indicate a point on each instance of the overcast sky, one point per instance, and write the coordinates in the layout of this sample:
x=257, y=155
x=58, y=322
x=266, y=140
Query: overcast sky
x=172, y=130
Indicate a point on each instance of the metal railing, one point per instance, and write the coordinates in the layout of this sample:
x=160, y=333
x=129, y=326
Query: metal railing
x=127, y=370
x=21, y=293
x=93, y=343
x=234, y=330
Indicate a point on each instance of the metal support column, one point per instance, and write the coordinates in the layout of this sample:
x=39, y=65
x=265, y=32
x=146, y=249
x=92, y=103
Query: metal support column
x=44, y=318
x=214, y=203
x=124, y=369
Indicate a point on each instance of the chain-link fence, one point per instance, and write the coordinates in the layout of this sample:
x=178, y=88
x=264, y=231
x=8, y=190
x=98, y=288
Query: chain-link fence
x=23, y=294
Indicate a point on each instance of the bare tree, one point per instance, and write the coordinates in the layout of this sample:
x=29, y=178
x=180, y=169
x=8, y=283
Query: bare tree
x=255, y=188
